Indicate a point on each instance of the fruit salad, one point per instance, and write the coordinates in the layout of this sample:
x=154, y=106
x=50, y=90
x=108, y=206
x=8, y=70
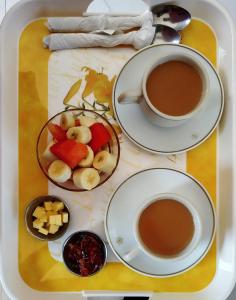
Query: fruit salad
x=78, y=150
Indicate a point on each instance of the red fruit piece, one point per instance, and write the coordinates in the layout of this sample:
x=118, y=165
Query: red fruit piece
x=100, y=136
x=77, y=122
x=70, y=152
x=57, y=132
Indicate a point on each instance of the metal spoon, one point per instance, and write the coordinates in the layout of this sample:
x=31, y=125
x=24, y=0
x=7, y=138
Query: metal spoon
x=166, y=34
x=171, y=15
x=168, y=19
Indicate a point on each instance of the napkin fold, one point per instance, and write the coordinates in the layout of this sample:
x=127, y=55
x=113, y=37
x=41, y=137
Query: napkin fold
x=138, y=39
x=91, y=23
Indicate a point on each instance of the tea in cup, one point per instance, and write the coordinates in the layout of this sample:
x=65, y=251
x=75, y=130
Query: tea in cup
x=174, y=89
x=167, y=227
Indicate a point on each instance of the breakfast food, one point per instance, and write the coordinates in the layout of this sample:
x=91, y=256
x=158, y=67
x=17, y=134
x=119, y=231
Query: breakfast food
x=79, y=151
x=84, y=253
x=81, y=134
x=67, y=121
x=50, y=217
x=104, y=161
x=88, y=160
x=86, y=178
x=59, y=171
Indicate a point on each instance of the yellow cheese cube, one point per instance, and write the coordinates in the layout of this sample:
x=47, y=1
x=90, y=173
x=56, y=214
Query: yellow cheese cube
x=44, y=218
x=55, y=220
x=51, y=213
x=43, y=231
x=65, y=217
x=37, y=223
x=57, y=205
x=48, y=205
x=53, y=228
x=39, y=212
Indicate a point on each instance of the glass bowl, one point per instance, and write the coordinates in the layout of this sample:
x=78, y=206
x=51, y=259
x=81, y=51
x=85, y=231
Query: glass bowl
x=45, y=137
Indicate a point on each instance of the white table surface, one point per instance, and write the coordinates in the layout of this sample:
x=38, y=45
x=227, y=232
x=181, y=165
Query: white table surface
x=230, y=5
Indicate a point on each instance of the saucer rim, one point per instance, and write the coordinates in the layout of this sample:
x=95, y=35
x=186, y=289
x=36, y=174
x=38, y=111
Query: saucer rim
x=211, y=130
x=211, y=240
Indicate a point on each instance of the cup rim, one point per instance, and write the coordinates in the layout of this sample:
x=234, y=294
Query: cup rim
x=197, y=226
x=199, y=69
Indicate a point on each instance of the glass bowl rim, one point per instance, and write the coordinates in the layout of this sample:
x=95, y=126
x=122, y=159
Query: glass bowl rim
x=89, y=111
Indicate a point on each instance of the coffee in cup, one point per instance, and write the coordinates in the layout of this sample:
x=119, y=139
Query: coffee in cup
x=174, y=89
x=167, y=227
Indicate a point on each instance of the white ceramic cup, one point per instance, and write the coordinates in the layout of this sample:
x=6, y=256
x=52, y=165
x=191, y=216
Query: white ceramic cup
x=152, y=113
x=189, y=248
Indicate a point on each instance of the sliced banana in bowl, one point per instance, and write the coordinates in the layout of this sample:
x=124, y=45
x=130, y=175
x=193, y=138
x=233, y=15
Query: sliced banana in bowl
x=78, y=150
x=86, y=178
x=104, y=161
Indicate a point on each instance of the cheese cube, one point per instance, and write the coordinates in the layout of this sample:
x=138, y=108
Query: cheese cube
x=65, y=217
x=53, y=228
x=37, y=223
x=43, y=231
x=39, y=212
x=44, y=218
x=57, y=205
x=48, y=205
x=51, y=213
x=55, y=220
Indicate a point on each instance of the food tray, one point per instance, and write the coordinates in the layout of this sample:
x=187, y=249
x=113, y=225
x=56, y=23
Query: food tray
x=14, y=23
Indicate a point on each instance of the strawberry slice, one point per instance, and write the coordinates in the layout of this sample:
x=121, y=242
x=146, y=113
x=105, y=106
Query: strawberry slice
x=100, y=136
x=70, y=152
x=57, y=132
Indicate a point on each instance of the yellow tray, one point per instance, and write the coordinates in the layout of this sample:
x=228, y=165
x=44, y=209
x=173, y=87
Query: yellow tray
x=48, y=274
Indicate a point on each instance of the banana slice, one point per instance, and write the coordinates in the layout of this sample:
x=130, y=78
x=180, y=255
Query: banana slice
x=88, y=160
x=86, y=178
x=104, y=161
x=81, y=134
x=67, y=120
x=59, y=171
x=86, y=121
x=47, y=154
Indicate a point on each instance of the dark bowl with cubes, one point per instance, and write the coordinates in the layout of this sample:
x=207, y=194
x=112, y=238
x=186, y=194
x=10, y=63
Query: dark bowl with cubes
x=47, y=217
x=78, y=150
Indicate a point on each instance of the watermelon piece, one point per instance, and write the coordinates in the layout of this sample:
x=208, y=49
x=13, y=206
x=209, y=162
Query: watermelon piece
x=57, y=132
x=70, y=151
x=100, y=136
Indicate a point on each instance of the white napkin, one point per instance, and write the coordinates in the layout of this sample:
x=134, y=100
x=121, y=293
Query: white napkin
x=138, y=39
x=91, y=23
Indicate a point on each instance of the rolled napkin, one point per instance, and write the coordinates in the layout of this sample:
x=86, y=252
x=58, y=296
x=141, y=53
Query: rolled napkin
x=92, y=23
x=139, y=39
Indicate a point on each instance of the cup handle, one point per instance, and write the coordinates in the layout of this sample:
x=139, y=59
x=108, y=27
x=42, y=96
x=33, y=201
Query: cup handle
x=130, y=255
x=131, y=96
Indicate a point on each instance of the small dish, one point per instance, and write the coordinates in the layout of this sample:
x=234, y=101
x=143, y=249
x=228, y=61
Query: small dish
x=84, y=253
x=136, y=192
x=154, y=138
x=39, y=201
x=45, y=138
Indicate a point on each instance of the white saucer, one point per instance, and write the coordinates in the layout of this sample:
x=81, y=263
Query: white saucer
x=136, y=191
x=157, y=139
